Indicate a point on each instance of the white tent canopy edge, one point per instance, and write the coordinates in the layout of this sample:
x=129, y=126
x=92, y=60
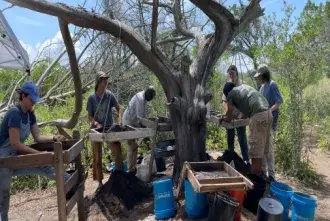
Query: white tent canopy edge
x=12, y=54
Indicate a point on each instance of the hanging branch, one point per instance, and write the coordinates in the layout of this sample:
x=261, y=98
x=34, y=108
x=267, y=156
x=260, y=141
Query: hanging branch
x=71, y=123
x=154, y=25
x=50, y=67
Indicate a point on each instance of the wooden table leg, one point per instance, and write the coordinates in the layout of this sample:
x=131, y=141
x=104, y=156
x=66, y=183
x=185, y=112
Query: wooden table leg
x=59, y=172
x=97, y=161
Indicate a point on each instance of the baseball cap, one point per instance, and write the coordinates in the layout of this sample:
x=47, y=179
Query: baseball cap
x=31, y=90
x=101, y=74
x=261, y=70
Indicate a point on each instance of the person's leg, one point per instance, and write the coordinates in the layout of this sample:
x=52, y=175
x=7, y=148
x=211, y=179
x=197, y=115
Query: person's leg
x=241, y=134
x=271, y=157
x=257, y=141
x=256, y=167
x=116, y=155
x=231, y=139
x=132, y=152
x=47, y=171
x=97, y=161
x=5, y=181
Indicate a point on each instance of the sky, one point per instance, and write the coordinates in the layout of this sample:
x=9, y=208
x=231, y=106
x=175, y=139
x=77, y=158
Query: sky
x=34, y=29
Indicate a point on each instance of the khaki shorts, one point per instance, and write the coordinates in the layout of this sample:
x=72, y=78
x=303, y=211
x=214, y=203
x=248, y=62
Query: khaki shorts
x=259, y=137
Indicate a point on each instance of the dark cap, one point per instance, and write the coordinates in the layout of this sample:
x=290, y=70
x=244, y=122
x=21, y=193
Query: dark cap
x=232, y=68
x=228, y=87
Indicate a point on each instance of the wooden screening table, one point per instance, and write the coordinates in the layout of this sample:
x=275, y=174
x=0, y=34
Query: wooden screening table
x=98, y=138
x=228, y=178
x=58, y=155
x=215, y=118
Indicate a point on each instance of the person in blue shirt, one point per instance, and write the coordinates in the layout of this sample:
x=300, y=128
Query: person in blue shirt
x=270, y=91
x=15, y=128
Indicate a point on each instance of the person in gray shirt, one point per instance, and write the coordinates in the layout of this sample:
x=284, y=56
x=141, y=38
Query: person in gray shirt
x=254, y=106
x=99, y=108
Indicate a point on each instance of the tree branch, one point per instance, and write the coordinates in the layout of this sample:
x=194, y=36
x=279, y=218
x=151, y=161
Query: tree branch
x=177, y=19
x=227, y=28
x=71, y=123
x=154, y=24
x=163, y=69
x=160, y=4
x=51, y=66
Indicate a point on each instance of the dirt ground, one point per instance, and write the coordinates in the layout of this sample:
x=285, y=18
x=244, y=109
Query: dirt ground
x=41, y=205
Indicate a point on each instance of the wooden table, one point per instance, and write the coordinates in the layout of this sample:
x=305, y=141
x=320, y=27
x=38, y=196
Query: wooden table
x=98, y=138
x=215, y=118
x=57, y=156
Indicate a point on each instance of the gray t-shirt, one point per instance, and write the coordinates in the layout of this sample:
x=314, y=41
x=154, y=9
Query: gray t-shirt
x=102, y=112
x=247, y=100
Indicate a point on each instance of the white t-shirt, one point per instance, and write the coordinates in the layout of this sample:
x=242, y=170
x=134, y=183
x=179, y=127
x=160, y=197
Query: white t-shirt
x=136, y=108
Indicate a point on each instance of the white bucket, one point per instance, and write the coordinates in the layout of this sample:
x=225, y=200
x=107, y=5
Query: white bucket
x=142, y=170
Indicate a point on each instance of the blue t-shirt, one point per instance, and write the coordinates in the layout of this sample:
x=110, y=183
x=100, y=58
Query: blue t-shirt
x=99, y=110
x=13, y=119
x=271, y=92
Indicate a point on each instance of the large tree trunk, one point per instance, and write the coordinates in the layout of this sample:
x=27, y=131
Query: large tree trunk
x=190, y=141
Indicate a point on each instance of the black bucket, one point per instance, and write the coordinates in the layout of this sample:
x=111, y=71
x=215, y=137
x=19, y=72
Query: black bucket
x=223, y=208
x=160, y=164
x=269, y=210
x=253, y=196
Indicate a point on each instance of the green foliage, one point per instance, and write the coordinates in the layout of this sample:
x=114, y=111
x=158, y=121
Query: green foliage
x=323, y=133
x=317, y=100
x=214, y=85
x=216, y=137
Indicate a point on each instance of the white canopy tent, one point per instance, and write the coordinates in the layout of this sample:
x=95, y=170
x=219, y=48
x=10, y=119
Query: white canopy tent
x=12, y=54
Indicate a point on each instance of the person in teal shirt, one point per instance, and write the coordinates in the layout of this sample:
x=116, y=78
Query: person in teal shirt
x=18, y=123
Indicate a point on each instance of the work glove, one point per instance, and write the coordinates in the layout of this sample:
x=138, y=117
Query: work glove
x=59, y=138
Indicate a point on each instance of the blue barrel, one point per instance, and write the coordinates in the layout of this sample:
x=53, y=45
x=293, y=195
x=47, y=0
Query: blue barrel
x=196, y=206
x=282, y=193
x=303, y=207
x=164, y=199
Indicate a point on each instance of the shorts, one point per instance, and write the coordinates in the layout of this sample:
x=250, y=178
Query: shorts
x=259, y=136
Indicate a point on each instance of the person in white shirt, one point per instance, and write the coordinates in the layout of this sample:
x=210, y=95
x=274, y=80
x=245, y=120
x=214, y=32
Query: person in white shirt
x=136, y=108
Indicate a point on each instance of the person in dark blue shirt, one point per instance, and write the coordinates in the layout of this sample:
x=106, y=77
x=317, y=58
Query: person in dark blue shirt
x=270, y=91
x=15, y=128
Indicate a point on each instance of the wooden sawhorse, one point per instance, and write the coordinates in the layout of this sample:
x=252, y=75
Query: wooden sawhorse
x=58, y=158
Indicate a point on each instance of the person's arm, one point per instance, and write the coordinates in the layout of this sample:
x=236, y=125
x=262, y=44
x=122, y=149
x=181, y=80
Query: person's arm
x=14, y=138
x=93, y=122
x=229, y=113
x=225, y=104
x=119, y=109
x=90, y=111
x=38, y=138
x=278, y=97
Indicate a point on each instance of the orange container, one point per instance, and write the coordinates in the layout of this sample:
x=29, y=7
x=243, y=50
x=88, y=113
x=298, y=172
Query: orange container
x=238, y=195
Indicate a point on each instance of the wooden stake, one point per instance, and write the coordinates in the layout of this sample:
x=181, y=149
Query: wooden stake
x=59, y=172
x=80, y=169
